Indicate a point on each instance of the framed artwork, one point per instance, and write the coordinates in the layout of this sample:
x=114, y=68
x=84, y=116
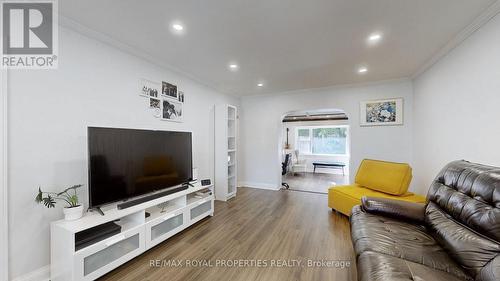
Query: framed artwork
x=172, y=110
x=387, y=112
x=181, y=96
x=169, y=90
x=154, y=103
x=149, y=88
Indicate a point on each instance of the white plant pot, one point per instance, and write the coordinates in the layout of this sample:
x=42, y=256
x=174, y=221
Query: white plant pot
x=71, y=214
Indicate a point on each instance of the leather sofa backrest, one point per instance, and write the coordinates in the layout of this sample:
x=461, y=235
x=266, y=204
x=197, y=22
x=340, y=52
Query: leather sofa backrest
x=463, y=214
x=388, y=177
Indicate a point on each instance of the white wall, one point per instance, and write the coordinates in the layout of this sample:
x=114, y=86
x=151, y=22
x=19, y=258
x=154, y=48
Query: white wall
x=261, y=116
x=456, y=106
x=310, y=158
x=49, y=111
x=4, y=220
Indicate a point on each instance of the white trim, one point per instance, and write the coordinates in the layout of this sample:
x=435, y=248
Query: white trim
x=488, y=14
x=4, y=217
x=267, y=186
x=41, y=274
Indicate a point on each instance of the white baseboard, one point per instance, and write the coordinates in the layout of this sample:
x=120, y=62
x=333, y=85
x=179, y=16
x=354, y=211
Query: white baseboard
x=41, y=274
x=258, y=185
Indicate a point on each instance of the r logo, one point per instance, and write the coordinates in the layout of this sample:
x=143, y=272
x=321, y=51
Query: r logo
x=27, y=28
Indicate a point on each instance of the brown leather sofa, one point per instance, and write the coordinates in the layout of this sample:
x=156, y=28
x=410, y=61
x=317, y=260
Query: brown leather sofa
x=454, y=236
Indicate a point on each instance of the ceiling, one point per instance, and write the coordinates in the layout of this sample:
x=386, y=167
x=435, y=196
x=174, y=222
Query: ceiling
x=285, y=45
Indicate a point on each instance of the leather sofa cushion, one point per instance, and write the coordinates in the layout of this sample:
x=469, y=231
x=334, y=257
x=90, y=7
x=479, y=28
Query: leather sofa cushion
x=469, y=248
x=399, y=239
x=470, y=193
x=343, y=198
x=388, y=177
x=379, y=267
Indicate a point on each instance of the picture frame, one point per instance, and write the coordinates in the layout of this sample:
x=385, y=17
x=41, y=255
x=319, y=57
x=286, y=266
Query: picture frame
x=383, y=112
x=181, y=96
x=172, y=110
x=169, y=90
x=148, y=88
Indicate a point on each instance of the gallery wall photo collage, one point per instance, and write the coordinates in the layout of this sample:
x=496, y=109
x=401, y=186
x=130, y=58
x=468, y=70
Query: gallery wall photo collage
x=164, y=99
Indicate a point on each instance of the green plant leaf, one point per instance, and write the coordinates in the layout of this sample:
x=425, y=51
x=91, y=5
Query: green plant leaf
x=73, y=200
x=39, y=196
x=49, y=202
x=74, y=187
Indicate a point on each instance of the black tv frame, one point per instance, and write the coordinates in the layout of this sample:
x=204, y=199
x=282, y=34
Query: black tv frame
x=138, y=199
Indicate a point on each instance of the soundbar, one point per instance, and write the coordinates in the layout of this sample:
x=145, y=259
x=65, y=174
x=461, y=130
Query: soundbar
x=138, y=201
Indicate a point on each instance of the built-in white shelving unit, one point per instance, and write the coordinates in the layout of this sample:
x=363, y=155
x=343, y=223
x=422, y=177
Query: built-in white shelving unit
x=226, y=121
x=168, y=215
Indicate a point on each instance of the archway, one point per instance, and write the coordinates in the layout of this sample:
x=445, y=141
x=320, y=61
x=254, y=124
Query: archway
x=315, y=149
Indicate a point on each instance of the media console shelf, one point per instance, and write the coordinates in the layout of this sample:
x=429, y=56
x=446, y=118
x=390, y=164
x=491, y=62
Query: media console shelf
x=168, y=215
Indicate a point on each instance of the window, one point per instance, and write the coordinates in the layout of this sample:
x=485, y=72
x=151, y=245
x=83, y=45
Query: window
x=322, y=140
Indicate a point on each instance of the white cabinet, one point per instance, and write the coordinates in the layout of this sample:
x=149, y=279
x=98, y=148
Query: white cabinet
x=168, y=215
x=226, y=151
x=163, y=228
x=200, y=209
x=97, y=259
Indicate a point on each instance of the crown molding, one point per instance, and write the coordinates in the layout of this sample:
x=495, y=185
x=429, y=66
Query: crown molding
x=137, y=52
x=487, y=15
x=329, y=88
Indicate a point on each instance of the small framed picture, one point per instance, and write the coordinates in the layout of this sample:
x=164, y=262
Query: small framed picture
x=169, y=90
x=181, y=96
x=172, y=110
x=387, y=112
x=154, y=103
x=149, y=88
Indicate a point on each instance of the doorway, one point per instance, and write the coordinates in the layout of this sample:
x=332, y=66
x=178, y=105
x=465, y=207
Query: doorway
x=315, y=150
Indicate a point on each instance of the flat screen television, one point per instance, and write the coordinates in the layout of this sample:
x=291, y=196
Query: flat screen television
x=126, y=163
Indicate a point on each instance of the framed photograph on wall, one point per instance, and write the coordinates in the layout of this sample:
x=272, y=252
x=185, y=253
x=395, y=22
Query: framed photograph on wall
x=155, y=107
x=154, y=103
x=181, y=96
x=169, y=90
x=387, y=112
x=172, y=110
x=149, y=88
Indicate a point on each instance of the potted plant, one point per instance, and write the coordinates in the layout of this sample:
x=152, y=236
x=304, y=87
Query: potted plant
x=72, y=211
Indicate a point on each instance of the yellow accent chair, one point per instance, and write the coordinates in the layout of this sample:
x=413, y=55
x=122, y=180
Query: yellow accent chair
x=374, y=179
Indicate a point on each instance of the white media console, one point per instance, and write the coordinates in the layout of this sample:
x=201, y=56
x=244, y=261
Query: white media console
x=138, y=233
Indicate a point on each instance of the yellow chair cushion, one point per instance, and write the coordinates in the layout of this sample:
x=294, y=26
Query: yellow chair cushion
x=343, y=198
x=388, y=177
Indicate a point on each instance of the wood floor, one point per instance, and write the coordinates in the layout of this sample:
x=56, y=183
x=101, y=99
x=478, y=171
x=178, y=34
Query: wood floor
x=317, y=182
x=270, y=226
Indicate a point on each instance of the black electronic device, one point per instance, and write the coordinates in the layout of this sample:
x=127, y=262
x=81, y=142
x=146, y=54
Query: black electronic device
x=153, y=196
x=128, y=163
x=206, y=182
x=95, y=234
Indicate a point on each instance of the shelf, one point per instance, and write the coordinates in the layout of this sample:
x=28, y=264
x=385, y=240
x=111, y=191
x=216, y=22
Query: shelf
x=156, y=211
x=231, y=150
x=194, y=200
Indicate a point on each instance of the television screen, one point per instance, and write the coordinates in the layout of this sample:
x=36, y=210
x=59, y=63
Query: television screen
x=125, y=163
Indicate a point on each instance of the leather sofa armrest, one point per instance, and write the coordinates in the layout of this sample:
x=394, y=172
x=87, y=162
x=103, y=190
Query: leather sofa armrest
x=397, y=209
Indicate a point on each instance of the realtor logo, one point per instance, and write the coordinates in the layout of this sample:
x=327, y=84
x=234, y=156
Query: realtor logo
x=29, y=34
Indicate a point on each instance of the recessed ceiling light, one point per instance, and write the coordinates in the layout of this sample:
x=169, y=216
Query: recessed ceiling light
x=177, y=27
x=362, y=70
x=260, y=85
x=233, y=66
x=374, y=37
